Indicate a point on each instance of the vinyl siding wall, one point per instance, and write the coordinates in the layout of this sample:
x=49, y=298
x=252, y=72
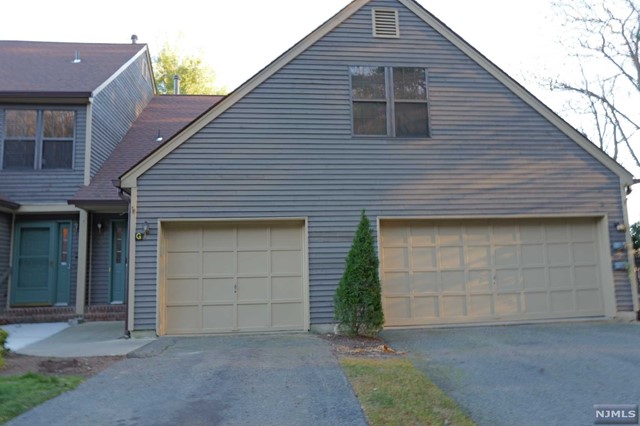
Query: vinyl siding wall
x=5, y=250
x=286, y=150
x=115, y=108
x=45, y=186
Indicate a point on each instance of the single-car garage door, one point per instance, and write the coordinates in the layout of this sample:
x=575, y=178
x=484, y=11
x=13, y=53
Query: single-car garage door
x=483, y=271
x=224, y=277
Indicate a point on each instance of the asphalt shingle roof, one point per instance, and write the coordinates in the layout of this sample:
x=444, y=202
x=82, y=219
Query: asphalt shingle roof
x=33, y=67
x=168, y=114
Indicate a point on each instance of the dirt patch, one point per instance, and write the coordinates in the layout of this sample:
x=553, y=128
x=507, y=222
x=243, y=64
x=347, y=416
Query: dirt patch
x=16, y=364
x=360, y=346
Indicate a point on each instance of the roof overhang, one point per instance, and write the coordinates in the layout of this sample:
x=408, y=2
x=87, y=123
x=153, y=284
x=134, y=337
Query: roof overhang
x=71, y=98
x=129, y=179
x=102, y=206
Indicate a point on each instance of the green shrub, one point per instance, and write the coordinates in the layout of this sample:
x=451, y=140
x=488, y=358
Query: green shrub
x=358, y=302
x=3, y=346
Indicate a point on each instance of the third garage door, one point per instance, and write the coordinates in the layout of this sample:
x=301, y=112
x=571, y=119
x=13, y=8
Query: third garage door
x=483, y=271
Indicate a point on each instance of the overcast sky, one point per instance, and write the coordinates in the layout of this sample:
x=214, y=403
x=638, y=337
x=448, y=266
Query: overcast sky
x=238, y=38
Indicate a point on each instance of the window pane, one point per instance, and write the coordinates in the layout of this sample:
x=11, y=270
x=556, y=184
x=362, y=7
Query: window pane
x=18, y=154
x=367, y=83
x=411, y=119
x=410, y=84
x=57, y=154
x=21, y=124
x=58, y=124
x=370, y=118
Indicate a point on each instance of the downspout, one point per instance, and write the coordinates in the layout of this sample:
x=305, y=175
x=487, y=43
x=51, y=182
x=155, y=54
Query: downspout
x=90, y=273
x=11, y=244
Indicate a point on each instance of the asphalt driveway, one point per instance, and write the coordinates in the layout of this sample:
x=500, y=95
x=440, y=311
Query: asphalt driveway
x=287, y=379
x=546, y=374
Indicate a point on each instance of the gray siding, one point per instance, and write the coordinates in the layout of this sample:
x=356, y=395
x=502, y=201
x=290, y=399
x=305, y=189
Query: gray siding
x=98, y=284
x=286, y=150
x=5, y=250
x=45, y=186
x=115, y=108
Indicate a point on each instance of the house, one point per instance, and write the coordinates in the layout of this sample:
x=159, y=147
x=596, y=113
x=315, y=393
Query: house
x=488, y=208
x=210, y=214
x=67, y=113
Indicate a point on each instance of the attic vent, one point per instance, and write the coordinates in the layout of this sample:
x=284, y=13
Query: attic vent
x=385, y=23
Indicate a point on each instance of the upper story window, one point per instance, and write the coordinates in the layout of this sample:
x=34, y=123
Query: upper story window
x=38, y=139
x=389, y=101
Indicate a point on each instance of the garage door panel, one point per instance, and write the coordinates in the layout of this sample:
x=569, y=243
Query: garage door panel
x=253, y=263
x=452, y=281
x=397, y=282
x=532, y=254
x=507, y=304
x=396, y=258
x=219, y=263
x=585, y=253
x=218, y=237
x=451, y=257
x=285, y=315
x=422, y=236
x=534, y=278
x=183, y=290
x=218, y=289
x=536, y=302
x=424, y=282
x=481, y=305
x=218, y=317
x=253, y=237
x=479, y=256
x=426, y=307
x=588, y=300
x=253, y=316
x=490, y=271
x=424, y=258
x=454, y=306
x=286, y=288
x=286, y=262
x=586, y=276
x=286, y=237
x=183, y=319
x=562, y=301
x=560, y=277
x=233, y=277
x=184, y=263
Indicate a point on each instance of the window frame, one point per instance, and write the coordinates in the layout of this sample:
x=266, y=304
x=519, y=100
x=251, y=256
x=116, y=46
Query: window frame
x=391, y=102
x=40, y=139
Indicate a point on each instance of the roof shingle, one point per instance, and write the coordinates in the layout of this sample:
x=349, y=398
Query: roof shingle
x=48, y=68
x=166, y=114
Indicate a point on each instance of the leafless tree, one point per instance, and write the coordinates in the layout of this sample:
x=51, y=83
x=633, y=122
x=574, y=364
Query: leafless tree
x=603, y=37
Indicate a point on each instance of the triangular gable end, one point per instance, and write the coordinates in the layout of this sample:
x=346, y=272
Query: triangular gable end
x=129, y=179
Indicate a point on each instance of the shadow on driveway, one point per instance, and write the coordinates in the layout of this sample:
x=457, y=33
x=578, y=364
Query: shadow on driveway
x=285, y=379
x=546, y=374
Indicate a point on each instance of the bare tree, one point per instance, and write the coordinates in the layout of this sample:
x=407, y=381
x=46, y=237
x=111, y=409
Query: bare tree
x=604, y=37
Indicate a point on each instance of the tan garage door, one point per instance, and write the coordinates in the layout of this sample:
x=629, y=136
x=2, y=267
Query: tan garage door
x=221, y=277
x=452, y=272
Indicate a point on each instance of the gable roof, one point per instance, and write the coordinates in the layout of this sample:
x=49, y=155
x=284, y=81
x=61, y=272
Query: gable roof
x=129, y=179
x=164, y=114
x=46, y=69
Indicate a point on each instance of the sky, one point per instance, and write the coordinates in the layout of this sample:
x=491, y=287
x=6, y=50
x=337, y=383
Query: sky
x=239, y=37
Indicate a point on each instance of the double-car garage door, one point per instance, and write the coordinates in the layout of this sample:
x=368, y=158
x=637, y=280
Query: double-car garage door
x=443, y=272
x=221, y=277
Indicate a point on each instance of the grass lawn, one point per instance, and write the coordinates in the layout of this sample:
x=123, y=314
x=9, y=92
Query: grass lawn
x=393, y=392
x=21, y=393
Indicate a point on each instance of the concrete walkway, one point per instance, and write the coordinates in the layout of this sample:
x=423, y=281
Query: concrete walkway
x=278, y=379
x=63, y=341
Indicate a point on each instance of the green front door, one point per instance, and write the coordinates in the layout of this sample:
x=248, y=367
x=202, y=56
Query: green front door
x=41, y=264
x=118, y=260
